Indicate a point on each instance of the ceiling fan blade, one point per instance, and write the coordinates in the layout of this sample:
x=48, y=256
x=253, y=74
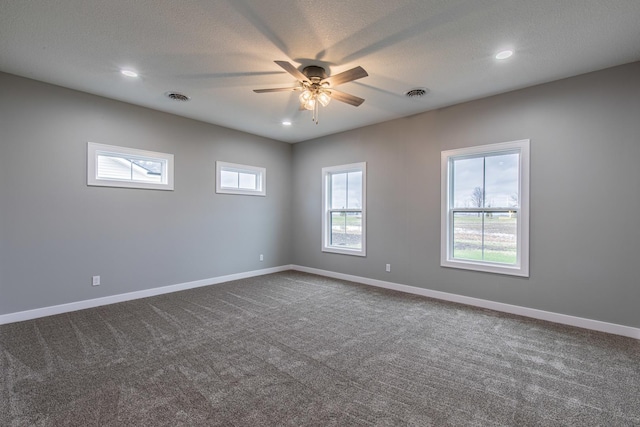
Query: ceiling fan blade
x=345, y=97
x=292, y=70
x=279, y=89
x=346, y=76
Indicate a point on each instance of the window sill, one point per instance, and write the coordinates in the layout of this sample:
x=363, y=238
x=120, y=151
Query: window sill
x=486, y=267
x=337, y=250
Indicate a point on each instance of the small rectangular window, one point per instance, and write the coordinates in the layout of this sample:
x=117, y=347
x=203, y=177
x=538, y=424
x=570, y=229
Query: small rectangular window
x=112, y=166
x=485, y=208
x=232, y=178
x=343, y=203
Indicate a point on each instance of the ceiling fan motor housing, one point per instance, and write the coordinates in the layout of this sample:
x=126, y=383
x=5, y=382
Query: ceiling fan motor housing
x=313, y=71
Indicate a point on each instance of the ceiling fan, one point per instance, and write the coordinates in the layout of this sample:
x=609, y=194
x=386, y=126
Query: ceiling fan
x=318, y=88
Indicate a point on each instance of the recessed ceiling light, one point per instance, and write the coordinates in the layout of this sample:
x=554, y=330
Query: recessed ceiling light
x=286, y=123
x=129, y=73
x=504, y=54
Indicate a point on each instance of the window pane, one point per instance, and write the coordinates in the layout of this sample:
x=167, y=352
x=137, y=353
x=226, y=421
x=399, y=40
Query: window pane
x=111, y=167
x=122, y=168
x=485, y=236
x=338, y=191
x=142, y=174
x=501, y=180
x=247, y=181
x=467, y=235
x=229, y=179
x=346, y=229
x=354, y=189
x=232, y=178
x=152, y=166
x=500, y=237
x=468, y=183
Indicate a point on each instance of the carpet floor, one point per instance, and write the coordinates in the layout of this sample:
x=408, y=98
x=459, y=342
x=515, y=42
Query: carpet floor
x=295, y=349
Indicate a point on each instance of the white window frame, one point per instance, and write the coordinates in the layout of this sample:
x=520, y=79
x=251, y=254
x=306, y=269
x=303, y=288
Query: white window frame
x=326, y=211
x=95, y=149
x=521, y=267
x=259, y=172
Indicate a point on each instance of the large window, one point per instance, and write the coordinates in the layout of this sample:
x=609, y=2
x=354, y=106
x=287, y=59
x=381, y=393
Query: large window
x=232, y=178
x=343, y=209
x=112, y=166
x=485, y=208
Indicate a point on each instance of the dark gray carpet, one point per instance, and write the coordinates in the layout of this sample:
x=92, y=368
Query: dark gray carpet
x=297, y=349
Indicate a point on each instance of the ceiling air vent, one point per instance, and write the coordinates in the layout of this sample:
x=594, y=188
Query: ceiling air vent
x=177, y=96
x=417, y=93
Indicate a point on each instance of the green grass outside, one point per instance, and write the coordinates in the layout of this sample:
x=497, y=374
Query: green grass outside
x=468, y=249
x=497, y=248
x=503, y=257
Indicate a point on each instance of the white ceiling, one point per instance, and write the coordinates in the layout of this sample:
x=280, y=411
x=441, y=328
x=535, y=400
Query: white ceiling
x=217, y=51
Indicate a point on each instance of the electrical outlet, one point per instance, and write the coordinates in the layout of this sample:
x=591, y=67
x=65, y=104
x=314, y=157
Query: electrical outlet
x=261, y=257
x=95, y=280
x=388, y=268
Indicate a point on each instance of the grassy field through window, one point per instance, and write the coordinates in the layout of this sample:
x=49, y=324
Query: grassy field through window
x=485, y=237
x=346, y=229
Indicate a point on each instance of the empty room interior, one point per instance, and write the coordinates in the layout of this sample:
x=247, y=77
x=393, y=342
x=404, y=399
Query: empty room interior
x=245, y=213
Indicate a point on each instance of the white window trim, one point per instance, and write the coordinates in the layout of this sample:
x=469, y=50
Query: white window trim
x=521, y=268
x=259, y=171
x=326, y=172
x=94, y=149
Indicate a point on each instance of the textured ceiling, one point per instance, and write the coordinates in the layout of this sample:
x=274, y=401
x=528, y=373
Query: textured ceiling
x=216, y=52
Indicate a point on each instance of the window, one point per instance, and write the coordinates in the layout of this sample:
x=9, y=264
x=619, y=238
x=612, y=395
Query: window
x=232, y=178
x=343, y=206
x=485, y=208
x=112, y=166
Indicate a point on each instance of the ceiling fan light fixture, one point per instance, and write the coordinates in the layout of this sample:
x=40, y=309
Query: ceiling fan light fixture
x=305, y=96
x=309, y=104
x=324, y=98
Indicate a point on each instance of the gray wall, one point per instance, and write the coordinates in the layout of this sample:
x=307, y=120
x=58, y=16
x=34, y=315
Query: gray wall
x=585, y=195
x=56, y=232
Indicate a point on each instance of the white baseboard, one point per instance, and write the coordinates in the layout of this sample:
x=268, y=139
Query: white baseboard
x=564, y=319
x=81, y=305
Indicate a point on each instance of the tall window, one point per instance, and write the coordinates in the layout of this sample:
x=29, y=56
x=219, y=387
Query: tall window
x=343, y=206
x=485, y=208
x=232, y=178
x=112, y=166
